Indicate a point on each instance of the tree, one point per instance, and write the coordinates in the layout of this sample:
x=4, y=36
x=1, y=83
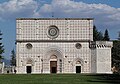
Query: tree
x=106, y=36
x=100, y=36
x=95, y=32
x=116, y=54
x=1, y=48
x=97, y=36
x=119, y=35
x=13, y=58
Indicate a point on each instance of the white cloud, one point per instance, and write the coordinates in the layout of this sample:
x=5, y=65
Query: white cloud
x=68, y=8
x=105, y=16
x=18, y=8
x=46, y=8
x=61, y=8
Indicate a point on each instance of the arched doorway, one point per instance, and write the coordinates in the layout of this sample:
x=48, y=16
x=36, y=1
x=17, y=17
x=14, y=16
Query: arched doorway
x=78, y=67
x=53, y=64
x=54, y=59
x=29, y=66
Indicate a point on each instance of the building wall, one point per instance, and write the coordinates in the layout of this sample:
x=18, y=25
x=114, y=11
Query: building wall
x=103, y=55
x=67, y=52
x=2, y=67
x=93, y=60
x=69, y=29
x=71, y=46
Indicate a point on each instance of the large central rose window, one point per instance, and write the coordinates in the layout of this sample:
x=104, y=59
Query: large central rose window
x=53, y=32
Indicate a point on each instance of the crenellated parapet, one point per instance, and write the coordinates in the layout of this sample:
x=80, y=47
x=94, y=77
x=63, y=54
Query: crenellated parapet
x=101, y=44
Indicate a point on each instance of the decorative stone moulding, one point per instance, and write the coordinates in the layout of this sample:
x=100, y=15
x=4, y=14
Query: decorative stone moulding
x=100, y=44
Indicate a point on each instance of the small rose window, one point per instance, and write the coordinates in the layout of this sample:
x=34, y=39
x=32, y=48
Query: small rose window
x=78, y=45
x=29, y=46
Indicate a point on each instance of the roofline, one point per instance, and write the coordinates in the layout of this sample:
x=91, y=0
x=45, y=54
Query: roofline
x=53, y=41
x=54, y=18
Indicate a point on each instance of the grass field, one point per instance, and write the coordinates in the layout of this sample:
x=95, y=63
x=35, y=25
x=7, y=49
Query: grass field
x=59, y=79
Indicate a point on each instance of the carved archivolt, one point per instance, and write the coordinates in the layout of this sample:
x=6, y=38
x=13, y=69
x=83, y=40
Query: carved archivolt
x=28, y=61
x=78, y=61
x=53, y=57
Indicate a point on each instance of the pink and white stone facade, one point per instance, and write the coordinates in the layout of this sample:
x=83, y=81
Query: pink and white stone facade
x=60, y=45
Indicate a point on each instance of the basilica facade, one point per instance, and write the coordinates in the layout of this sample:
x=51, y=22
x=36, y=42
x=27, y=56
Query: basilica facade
x=60, y=45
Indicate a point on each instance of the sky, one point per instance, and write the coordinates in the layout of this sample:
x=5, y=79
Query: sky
x=106, y=14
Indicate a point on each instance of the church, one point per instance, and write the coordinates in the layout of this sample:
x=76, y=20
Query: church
x=60, y=45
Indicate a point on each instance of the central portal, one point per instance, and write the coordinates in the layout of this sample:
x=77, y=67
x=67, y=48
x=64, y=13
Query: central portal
x=53, y=66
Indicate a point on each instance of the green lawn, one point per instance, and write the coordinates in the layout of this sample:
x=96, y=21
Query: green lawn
x=59, y=79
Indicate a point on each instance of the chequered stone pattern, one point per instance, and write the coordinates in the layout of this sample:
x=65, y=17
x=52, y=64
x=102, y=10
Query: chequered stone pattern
x=71, y=31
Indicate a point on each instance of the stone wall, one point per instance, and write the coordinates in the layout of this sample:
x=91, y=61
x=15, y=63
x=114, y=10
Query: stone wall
x=69, y=29
x=101, y=56
x=67, y=52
